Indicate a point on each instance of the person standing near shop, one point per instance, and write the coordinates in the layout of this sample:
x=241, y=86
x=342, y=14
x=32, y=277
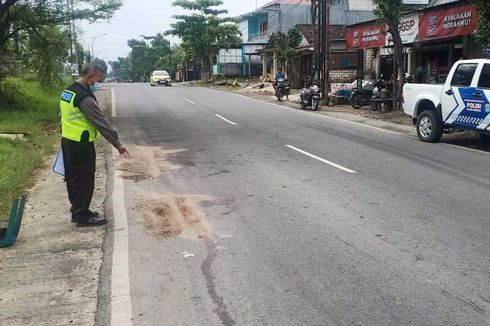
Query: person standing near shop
x=421, y=74
x=82, y=123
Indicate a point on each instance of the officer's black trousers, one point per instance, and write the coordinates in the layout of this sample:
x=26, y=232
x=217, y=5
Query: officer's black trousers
x=79, y=161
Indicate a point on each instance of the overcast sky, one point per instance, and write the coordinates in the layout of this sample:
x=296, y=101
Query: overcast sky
x=142, y=17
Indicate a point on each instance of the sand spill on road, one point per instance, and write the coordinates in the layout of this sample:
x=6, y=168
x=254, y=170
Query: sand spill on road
x=175, y=215
x=147, y=163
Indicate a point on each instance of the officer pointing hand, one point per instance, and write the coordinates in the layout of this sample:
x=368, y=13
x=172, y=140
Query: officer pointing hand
x=82, y=123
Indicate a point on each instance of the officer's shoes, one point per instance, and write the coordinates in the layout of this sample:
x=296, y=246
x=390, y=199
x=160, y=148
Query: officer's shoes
x=74, y=219
x=94, y=220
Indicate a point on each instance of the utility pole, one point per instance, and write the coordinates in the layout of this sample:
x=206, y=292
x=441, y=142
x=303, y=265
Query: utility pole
x=70, y=30
x=326, y=36
x=315, y=16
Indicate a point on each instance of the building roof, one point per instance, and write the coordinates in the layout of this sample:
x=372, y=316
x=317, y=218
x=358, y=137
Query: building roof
x=288, y=2
x=435, y=3
x=420, y=8
x=275, y=2
x=337, y=32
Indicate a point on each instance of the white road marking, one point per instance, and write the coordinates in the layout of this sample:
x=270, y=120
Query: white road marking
x=340, y=167
x=224, y=119
x=190, y=101
x=170, y=91
x=320, y=115
x=121, y=314
x=113, y=99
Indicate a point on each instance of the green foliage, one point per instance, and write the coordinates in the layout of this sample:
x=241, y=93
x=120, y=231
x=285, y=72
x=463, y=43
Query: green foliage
x=287, y=44
x=49, y=48
x=17, y=16
x=204, y=31
x=389, y=11
x=482, y=33
x=12, y=94
x=148, y=54
x=34, y=35
x=101, y=63
x=37, y=116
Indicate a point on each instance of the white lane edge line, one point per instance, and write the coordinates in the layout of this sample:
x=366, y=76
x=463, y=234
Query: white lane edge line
x=190, y=101
x=121, y=313
x=113, y=101
x=335, y=165
x=224, y=119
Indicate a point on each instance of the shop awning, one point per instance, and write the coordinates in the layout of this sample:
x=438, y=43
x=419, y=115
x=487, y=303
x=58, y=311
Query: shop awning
x=416, y=26
x=450, y=22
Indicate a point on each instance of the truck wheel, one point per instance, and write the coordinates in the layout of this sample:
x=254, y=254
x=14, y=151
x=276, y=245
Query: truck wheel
x=429, y=128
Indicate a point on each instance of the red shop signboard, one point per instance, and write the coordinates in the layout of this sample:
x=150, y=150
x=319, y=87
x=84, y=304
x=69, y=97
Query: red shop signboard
x=448, y=23
x=366, y=37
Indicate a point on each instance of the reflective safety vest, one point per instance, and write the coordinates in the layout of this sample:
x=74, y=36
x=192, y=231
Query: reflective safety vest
x=73, y=121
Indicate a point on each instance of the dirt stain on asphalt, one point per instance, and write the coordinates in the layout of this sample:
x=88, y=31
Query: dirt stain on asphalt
x=148, y=163
x=174, y=215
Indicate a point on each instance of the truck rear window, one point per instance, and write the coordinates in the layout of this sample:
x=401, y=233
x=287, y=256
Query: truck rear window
x=464, y=74
x=485, y=77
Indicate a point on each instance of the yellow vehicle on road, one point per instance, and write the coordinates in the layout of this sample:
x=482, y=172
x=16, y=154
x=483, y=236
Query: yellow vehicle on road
x=160, y=77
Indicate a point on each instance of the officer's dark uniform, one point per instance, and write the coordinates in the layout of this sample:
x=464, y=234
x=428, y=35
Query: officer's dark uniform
x=79, y=135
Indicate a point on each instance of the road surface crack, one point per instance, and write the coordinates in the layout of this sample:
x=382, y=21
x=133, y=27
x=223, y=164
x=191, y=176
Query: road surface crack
x=221, y=309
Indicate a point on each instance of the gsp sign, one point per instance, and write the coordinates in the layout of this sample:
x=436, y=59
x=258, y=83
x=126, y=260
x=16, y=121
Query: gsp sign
x=409, y=30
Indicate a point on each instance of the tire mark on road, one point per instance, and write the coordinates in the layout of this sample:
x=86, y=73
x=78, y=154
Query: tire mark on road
x=221, y=309
x=470, y=304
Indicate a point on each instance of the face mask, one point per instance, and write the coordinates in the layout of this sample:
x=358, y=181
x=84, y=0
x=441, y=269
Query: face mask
x=95, y=87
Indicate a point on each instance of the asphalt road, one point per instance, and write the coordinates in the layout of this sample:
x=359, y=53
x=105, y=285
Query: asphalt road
x=308, y=220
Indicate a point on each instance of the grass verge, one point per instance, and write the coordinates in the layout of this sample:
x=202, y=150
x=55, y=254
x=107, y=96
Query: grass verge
x=35, y=113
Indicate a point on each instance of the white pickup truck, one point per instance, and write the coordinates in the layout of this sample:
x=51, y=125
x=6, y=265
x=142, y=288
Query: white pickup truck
x=462, y=103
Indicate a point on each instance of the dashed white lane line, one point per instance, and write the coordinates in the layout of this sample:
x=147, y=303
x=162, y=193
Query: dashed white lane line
x=224, y=119
x=170, y=91
x=335, y=165
x=113, y=99
x=190, y=101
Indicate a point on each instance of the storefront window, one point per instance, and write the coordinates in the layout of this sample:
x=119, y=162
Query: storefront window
x=485, y=77
x=464, y=74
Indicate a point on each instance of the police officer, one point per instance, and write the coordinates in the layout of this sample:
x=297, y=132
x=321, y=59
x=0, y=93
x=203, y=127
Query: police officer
x=82, y=123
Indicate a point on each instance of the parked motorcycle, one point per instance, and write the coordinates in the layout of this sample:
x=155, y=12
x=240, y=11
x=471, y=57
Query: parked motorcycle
x=362, y=96
x=282, y=89
x=310, y=97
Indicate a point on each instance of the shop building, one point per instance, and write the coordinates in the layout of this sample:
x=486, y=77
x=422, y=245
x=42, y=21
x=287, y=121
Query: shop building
x=434, y=39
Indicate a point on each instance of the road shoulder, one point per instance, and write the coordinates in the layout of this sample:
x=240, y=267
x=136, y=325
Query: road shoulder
x=51, y=275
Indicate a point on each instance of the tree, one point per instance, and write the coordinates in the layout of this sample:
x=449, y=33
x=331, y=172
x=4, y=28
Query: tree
x=389, y=13
x=287, y=44
x=31, y=15
x=121, y=68
x=101, y=63
x=205, y=30
x=49, y=48
x=482, y=33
